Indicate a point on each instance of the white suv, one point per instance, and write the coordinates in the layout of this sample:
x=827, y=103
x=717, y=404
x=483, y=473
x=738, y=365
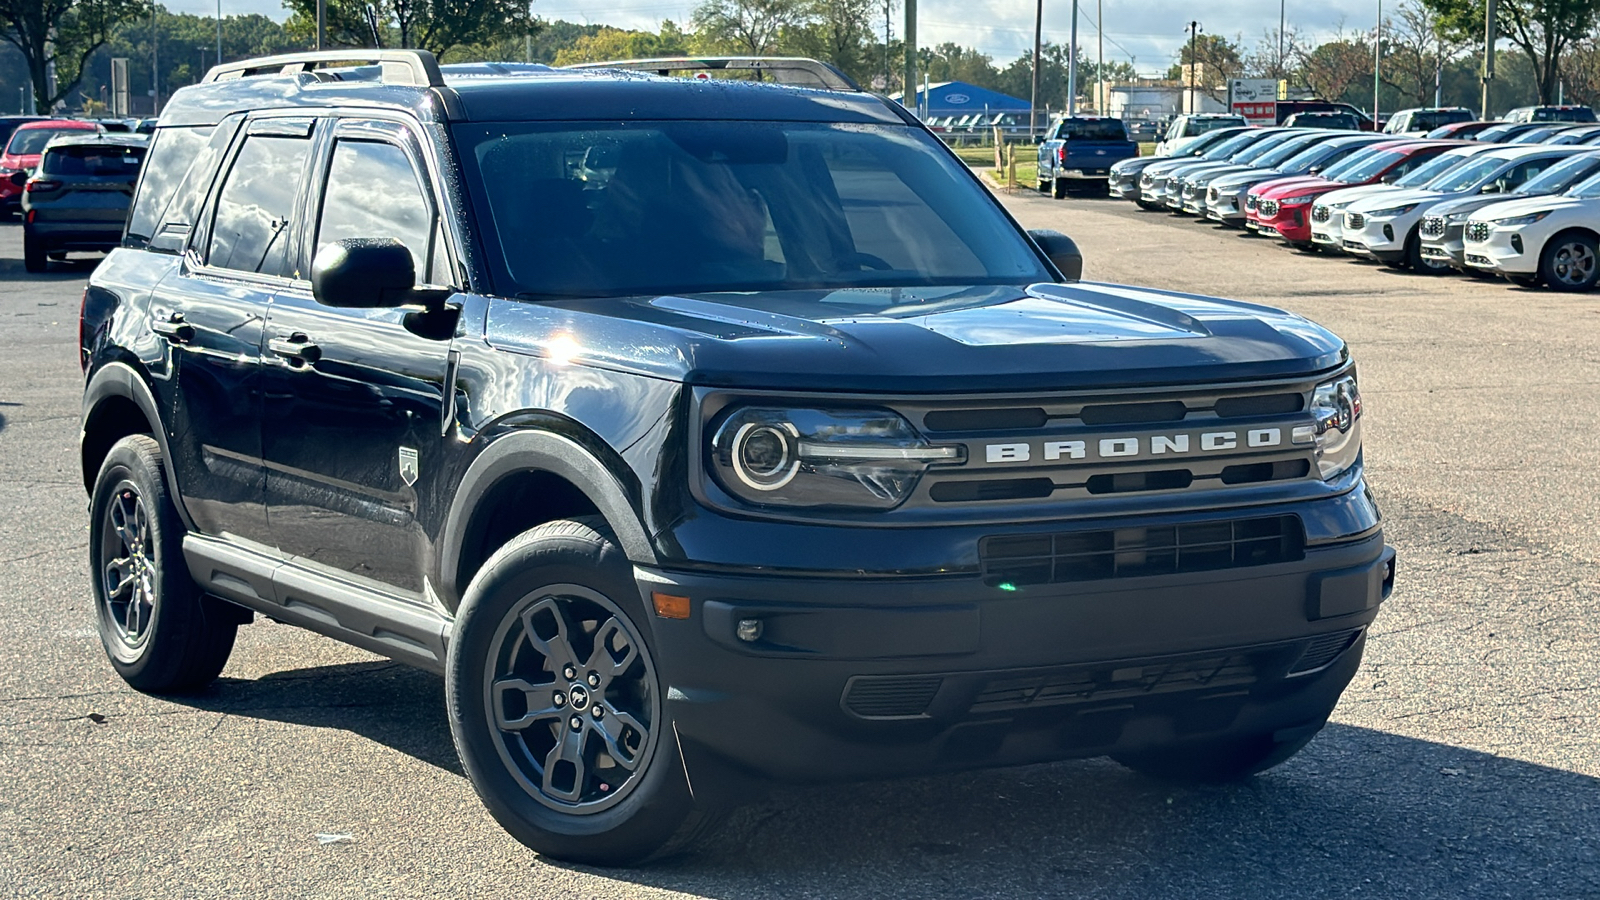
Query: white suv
x=1548, y=239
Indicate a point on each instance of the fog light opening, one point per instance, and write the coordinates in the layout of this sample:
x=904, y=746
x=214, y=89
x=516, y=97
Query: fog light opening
x=749, y=630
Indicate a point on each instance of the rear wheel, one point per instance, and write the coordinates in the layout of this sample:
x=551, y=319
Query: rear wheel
x=1059, y=189
x=1526, y=281
x=33, y=253
x=1570, y=262
x=1223, y=760
x=557, y=710
x=160, y=632
x=57, y=255
x=1305, y=247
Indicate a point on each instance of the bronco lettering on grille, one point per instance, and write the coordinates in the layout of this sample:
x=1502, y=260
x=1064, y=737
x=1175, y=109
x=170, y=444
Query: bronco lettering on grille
x=1192, y=443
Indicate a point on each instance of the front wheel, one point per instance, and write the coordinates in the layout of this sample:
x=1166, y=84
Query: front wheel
x=1423, y=265
x=34, y=256
x=1527, y=281
x=1219, y=761
x=1569, y=262
x=160, y=632
x=556, y=707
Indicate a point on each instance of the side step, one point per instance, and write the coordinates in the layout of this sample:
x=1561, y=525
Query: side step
x=369, y=619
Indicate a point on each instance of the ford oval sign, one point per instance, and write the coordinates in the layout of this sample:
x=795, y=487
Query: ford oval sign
x=956, y=99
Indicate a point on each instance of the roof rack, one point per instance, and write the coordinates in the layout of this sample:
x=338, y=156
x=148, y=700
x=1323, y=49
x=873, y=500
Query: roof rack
x=416, y=67
x=793, y=70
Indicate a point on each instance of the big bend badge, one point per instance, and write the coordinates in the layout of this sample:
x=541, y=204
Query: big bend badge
x=408, y=465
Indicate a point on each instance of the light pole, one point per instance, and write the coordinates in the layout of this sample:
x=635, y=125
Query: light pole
x=1038, y=37
x=155, y=63
x=1194, y=78
x=1281, y=21
x=1072, y=65
x=908, y=88
x=1489, y=38
x=219, y=32
x=1100, y=103
x=1377, y=48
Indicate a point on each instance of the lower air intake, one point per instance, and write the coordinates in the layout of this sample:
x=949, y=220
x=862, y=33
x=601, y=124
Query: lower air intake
x=891, y=697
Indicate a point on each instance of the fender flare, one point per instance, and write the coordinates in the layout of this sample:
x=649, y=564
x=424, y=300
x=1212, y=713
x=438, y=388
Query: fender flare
x=118, y=379
x=539, y=451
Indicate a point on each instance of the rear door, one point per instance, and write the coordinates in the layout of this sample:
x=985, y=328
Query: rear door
x=354, y=401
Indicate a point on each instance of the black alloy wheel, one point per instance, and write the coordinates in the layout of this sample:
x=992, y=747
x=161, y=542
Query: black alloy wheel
x=556, y=707
x=159, y=631
x=1423, y=265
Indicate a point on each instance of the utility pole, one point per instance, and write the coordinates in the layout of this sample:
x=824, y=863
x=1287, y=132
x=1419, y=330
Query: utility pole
x=1072, y=65
x=1377, y=62
x=1194, y=77
x=1489, y=38
x=155, y=63
x=1281, y=21
x=322, y=15
x=1100, y=103
x=1038, y=37
x=908, y=87
x=219, y=32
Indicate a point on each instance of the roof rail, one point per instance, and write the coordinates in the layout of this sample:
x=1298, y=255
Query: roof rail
x=794, y=70
x=416, y=67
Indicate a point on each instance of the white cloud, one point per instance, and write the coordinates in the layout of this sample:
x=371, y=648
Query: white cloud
x=1147, y=32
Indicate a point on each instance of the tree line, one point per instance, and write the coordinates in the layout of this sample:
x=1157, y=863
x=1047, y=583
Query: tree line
x=1552, y=49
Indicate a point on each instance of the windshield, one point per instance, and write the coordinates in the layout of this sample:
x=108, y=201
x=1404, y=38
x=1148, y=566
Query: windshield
x=31, y=141
x=1467, y=175
x=1586, y=190
x=1205, y=142
x=1233, y=145
x=1562, y=175
x=1284, y=151
x=1092, y=130
x=1427, y=121
x=1313, y=156
x=1266, y=146
x=648, y=208
x=1363, y=165
x=1563, y=114
x=1432, y=169
x=93, y=159
x=1201, y=126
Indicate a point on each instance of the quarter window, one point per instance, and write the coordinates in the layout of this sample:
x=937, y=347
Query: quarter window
x=373, y=191
x=253, y=227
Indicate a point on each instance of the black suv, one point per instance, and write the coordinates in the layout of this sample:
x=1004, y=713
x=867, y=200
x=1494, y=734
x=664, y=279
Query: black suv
x=701, y=432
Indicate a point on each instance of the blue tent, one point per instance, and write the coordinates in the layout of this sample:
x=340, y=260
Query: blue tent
x=954, y=98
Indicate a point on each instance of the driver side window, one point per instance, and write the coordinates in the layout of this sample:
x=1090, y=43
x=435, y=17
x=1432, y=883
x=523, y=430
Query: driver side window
x=373, y=191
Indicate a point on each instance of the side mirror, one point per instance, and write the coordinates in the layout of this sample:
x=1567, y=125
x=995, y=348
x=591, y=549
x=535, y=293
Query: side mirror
x=1061, y=250
x=1314, y=170
x=363, y=273
x=1492, y=187
x=1390, y=178
x=19, y=178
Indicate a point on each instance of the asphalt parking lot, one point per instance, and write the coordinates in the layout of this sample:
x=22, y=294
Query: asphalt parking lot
x=1464, y=760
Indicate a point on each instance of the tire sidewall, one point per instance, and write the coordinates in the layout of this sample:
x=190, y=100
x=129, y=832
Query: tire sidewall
x=654, y=808
x=1547, y=262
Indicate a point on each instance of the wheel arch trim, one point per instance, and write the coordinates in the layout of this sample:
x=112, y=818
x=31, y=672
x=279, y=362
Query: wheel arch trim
x=538, y=451
x=118, y=380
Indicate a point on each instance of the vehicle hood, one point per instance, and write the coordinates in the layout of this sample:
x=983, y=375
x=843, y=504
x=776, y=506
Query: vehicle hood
x=1137, y=164
x=1358, y=192
x=1395, y=198
x=1293, y=184
x=1246, y=177
x=1207, y=176
x=945, y=339
x=1505, y=209
x=1475, y=202
x=1185, y=166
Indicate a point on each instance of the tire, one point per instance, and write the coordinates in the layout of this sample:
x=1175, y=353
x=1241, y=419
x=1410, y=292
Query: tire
x=57, y=255
x=1420, y=264
x=1042, y=185
x=1234, y=758
x=33, y=253
x=1058, y=189
x=1305, y=247
x=1527, y=281
x=161, y=633
x=1570, y=262
x=525, y=664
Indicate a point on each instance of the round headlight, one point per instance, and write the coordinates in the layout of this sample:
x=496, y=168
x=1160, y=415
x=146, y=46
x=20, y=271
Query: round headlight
x=764, y=455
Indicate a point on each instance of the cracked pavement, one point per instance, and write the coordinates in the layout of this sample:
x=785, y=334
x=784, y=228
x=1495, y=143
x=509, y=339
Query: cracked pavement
x=1464, y=760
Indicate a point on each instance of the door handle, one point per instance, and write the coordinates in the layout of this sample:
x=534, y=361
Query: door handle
x=296, y=348
x=174, y=329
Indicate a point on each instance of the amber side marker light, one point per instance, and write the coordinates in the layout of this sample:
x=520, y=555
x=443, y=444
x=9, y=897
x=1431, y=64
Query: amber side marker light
x=669, y=606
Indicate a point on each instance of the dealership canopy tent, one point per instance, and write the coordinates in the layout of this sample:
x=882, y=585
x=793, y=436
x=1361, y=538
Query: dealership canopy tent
x=954, y=98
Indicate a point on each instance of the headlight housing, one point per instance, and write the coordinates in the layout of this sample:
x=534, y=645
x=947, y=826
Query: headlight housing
x=1336, y=435
x=808, y=458
x=1528, y=219
x=1457, y=217
x=1297, y=201
x=1391, y=212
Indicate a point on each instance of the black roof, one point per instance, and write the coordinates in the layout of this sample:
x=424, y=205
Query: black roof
x=524, y=92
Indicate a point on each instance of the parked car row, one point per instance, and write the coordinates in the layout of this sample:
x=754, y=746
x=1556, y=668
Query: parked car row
x=1516, y=199
x=72, y=180
x=22, y=143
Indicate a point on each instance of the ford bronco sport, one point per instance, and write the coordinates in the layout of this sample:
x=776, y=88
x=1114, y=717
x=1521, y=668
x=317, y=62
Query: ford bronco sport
x=701, y=433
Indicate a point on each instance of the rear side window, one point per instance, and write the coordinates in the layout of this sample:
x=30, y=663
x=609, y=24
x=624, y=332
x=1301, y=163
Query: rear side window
x=93, y=159
x=252, y=231
x=172, y=152
x=372, y=192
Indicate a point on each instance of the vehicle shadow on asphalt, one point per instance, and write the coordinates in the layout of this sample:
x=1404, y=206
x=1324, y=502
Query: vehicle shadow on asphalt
x=1358, y=812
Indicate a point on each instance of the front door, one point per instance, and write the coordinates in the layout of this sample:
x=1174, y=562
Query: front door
x=352, y=425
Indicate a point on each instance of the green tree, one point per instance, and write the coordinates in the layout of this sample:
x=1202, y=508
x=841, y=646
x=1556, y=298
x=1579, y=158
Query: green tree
x=840, y=32
x=1334, y=67
x=615, y=43
x=953, y=62
x=1542, y=29
x=61, y=34
x=434, y=25
x=754, y=27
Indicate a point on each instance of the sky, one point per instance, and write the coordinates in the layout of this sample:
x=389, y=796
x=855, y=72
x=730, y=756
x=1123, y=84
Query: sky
x=1147, y=33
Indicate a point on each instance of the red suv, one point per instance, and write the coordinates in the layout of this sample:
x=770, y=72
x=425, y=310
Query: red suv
x=22, y=155
x=1282, y=208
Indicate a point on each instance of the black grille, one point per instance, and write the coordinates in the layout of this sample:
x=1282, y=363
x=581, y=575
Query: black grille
x=985, y=419
x=1251, y=201
x=1321, y=214
x=1323, y=650
x=1477, y=231
x=1104, y=684
x=1432, y=226
x=1133, y=413
x=891, y=697
x=1267, y=208
x=1143, y=551
x=1355, y=221
x=1259, y=405
x=1211, y=195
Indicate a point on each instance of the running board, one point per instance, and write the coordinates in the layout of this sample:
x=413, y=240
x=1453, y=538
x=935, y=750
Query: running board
x=369, y=619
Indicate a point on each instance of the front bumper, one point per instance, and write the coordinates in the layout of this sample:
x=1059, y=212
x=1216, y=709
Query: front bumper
x=859, y=678
x=1380, y=239
x=1505, y=252
x=1226, y=207
x=1448, y=247
x=1290, y=223
x=1124, y=186
x=75, y=235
